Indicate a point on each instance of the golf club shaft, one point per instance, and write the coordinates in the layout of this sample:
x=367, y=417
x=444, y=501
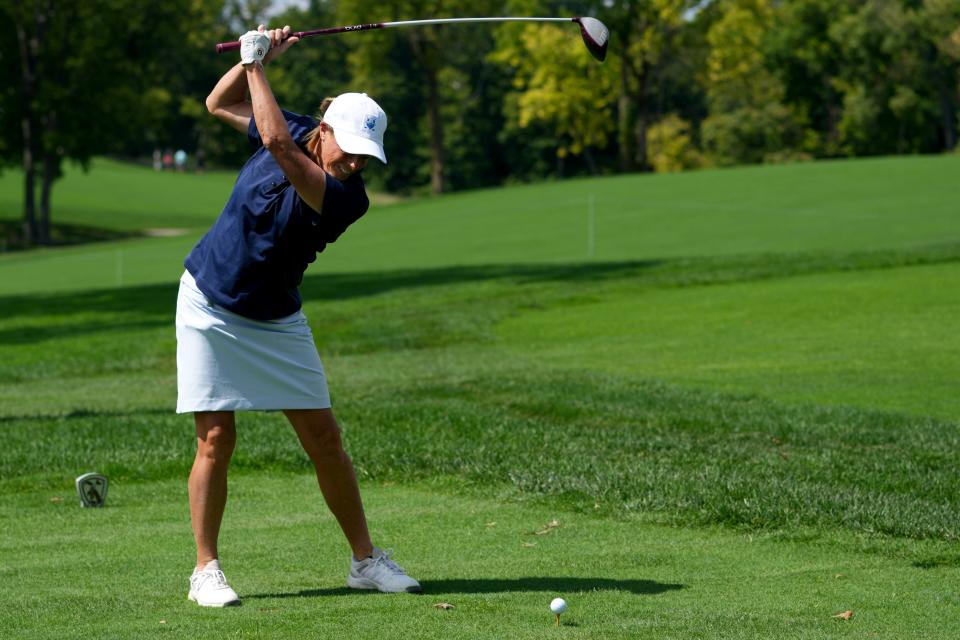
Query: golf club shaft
x=231, y=46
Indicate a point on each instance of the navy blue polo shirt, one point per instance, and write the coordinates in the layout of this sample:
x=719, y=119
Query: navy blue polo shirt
x=253, y=258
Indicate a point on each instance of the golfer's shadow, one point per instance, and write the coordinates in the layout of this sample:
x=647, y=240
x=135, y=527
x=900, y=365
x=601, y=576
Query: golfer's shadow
x=505, y=585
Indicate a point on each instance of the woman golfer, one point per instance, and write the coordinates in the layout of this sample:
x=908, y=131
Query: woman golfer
x=242, y=341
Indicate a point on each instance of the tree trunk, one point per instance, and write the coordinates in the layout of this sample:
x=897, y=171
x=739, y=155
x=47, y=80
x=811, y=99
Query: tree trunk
x=591, y=162
x=28, y=62
x=438, y=169
x=949, y=120
x=640, y=128
x=625, y=120
x=427, y=53
x=640, y=135
x=50, y=171
x=834, y=114
x=29, y=187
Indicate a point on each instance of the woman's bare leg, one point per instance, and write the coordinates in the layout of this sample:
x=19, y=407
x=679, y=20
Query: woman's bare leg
x=320, y=436
x=216, y=439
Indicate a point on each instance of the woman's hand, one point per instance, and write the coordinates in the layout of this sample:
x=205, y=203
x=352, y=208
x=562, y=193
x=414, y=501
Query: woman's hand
x=253, y=47
x=280, y=41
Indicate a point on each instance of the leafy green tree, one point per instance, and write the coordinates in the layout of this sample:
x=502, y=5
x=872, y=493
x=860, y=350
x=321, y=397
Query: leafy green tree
x=417, y=74
x=472, y=112
x=670, y=146
x=900, y=76
x=749, y=120
x=557, y=85
x=648, y=36
x=808, y=63
x=869, y=39
x=243, y=15
x=185, y=78
x=87, y=83
x=940, y=26
x=317, y=67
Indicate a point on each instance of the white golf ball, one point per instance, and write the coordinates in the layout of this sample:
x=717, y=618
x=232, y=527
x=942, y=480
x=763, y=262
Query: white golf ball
x=558, y=605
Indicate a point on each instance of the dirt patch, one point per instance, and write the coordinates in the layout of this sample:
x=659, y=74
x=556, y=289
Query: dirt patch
x=165, y=233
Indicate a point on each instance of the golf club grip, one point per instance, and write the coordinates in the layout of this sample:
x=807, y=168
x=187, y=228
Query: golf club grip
x=233, y=46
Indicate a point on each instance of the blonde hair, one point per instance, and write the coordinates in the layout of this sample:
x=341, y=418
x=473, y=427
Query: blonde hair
x=309, y=138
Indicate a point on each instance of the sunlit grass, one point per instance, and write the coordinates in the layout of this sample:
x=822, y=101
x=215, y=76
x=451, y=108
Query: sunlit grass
x=740, y=409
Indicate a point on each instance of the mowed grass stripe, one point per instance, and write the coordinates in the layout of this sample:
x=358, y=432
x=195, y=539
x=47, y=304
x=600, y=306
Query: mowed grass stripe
x=876, y=338
x=819, y=328
x=842, y=206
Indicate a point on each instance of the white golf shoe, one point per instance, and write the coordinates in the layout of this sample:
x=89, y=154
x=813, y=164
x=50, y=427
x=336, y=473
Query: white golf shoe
x=380, y=572
x=209, y=588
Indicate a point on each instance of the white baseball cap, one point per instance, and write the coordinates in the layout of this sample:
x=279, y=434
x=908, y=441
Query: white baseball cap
x=358, y=124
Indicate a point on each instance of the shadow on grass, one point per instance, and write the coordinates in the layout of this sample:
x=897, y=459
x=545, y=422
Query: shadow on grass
x=154, y=305
x=938, y=562
x=550, y=584
x=81, y=414
x=61, y=235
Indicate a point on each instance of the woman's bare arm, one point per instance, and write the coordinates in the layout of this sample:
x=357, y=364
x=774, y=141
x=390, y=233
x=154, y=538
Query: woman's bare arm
x=228, y=100
x=306, y=176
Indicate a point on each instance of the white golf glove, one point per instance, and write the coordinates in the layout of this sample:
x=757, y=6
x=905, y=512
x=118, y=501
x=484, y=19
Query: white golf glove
x=253, y=46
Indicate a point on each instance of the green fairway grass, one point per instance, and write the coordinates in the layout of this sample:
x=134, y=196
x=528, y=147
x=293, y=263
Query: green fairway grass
x=886, y=203
x=738, y=400
x=119, y=196
x=874, y=338
x=499, y=565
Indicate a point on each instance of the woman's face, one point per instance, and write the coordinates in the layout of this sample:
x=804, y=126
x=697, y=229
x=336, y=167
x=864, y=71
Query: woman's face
x=337, y=162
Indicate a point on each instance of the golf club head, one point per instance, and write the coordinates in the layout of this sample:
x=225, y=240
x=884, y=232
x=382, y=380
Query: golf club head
x=595, y=36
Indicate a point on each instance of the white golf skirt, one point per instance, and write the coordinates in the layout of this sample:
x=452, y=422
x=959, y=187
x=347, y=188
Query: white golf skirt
x=226, y=362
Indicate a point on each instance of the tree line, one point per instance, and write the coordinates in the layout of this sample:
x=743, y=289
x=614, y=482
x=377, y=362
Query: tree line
x=686, y=84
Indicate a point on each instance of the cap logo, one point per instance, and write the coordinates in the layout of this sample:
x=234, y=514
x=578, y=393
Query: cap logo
x=359, y=123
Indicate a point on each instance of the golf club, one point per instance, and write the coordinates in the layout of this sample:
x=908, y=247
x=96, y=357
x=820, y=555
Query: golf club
x=595, y=34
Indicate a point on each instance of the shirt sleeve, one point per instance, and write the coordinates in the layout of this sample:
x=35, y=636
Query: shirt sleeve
x=343, y=204
x=297, y=124
x=346, y=199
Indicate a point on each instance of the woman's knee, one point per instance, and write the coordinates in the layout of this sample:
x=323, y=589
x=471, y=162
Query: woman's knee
x=325, y=441
x=318, y=432
x=216, y=438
